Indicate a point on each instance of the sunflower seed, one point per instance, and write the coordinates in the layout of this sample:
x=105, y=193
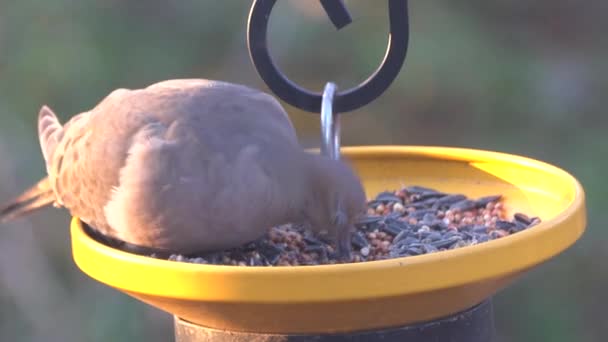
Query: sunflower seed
x=391, y=228
x=463, y=205
x=447, y=201
x=389, y=197
x=401, y=236
x=429, y=217
x=483, y=201
x=370, y=219
x=506, y=225
x=415, y=189
x=359, y=240
x=429, y=195
x=523, y=218
x=445, y=243
x=419, y=214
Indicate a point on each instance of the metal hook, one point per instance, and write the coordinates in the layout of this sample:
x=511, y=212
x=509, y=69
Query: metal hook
x=349, y=99
x=330, y=124
x=337, y=12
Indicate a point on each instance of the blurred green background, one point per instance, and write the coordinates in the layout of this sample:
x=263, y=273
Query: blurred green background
x=523, y=77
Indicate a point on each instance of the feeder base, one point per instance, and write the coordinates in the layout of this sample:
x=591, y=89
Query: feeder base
x=473, y=325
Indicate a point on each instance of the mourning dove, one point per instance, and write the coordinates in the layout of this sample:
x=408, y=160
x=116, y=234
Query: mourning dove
x=188, y=166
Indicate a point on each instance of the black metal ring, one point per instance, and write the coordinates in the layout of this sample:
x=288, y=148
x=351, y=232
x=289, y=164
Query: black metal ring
x=349, y=99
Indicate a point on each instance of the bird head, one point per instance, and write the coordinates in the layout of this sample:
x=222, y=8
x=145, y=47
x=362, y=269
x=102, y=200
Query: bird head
x=337, y=202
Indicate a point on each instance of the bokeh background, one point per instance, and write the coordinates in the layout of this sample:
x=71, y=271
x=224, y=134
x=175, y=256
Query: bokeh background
x=523, y=77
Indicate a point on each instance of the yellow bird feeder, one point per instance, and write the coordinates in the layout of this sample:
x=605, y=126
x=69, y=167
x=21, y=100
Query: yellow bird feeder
x=373, y=295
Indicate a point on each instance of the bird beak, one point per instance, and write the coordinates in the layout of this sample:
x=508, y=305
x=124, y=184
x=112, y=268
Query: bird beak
x=344, y=247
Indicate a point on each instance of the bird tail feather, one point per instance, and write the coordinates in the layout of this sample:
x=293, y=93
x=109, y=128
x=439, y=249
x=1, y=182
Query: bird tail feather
x=34, y=198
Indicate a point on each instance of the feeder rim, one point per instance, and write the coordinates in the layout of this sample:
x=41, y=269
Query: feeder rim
x=573, y=214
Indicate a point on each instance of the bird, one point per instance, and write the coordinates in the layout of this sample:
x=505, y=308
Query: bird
x=189, y=166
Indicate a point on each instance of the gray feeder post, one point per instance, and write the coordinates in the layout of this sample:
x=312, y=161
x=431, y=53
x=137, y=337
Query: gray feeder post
x=473, y=325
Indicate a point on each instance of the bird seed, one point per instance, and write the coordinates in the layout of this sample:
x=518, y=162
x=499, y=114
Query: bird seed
x=412, y=221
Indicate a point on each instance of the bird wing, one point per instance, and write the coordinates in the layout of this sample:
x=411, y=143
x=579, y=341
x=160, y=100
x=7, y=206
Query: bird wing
x=173, y=148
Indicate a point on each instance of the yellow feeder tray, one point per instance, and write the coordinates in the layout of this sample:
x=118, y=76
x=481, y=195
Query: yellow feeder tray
x=375, y=294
